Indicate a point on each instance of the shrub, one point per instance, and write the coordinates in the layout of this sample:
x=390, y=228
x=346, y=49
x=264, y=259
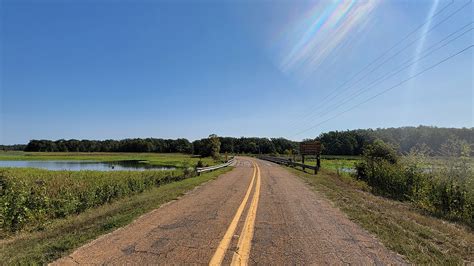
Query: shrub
x=31, y=197
x=446, y=190
x=199, y=164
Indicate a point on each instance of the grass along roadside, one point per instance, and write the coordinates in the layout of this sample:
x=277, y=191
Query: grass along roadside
x=64, y=235
x=31, y=198
x=420, y=238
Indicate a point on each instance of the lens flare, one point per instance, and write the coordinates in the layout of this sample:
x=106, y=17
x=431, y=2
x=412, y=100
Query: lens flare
x=308, y=40
x=423, y=34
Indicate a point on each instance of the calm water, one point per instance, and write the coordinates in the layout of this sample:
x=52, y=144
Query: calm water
x=347, y=170
x=85, y=165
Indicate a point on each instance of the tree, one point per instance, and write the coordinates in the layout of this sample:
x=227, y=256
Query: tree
x=214, y=145
x=380, y=150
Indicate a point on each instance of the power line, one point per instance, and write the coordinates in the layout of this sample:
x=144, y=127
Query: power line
x=390, y=88
x=401, y=50
x=386, y=60
x=403, y=67
x=387, y=51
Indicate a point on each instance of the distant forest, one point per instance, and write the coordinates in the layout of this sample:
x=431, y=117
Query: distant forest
x=16, y=147
x=201, y=147
x=349, y=142
x=352, y=142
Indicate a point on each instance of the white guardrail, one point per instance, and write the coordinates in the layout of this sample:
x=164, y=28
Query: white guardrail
x=214, y=167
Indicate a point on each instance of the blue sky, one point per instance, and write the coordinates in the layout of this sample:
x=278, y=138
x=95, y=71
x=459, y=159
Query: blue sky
x=119, y=69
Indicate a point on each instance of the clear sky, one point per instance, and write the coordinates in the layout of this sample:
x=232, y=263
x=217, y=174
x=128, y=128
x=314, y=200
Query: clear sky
x=118, y=69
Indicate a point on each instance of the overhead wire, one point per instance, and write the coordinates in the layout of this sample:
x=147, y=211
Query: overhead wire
x=388, y=89
x=389, y=50
x=400, y=68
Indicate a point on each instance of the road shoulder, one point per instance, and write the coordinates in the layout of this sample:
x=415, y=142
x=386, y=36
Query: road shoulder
x=420, y=238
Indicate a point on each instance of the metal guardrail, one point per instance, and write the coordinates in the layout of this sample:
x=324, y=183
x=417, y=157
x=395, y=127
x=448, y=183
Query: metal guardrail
x=288, y=162
x=214, y=167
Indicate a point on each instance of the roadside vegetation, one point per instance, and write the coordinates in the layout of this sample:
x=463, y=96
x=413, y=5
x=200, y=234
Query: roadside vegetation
x=441, y=185
x=418, y=205
x=31, y=198
x=401, y=226
x=60, y=236
x=445, y=190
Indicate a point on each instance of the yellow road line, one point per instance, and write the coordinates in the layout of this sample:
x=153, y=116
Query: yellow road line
x=225, y=242
x=241, y=256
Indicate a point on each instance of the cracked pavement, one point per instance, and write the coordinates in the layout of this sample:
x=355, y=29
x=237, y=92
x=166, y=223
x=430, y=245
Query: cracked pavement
x=294, y=225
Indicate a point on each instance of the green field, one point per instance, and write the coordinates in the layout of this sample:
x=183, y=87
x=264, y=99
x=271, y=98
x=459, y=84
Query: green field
x=335, y=162
x=332, y=162
x=158, y=159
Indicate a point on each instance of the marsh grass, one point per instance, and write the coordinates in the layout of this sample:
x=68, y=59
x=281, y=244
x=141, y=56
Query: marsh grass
x=30, y=198
x=158, y=159
x=59, y=237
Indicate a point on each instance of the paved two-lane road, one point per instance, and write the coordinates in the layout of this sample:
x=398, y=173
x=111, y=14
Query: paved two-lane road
x=258, y=214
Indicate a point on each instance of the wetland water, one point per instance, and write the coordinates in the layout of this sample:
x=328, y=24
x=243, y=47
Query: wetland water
x=86, y=165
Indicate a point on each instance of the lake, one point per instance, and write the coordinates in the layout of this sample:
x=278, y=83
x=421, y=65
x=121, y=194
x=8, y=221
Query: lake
x=86, y=165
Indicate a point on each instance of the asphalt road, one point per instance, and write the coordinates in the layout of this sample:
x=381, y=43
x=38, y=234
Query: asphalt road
x=258, y=213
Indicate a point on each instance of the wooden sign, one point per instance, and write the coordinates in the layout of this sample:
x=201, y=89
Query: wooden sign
x=310, y=148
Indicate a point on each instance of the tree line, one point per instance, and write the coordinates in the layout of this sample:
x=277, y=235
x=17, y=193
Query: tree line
x=125, y=145
x=14, y=147
x=248, y=145
x=349, y=142
x=204, y=147
x=403, y=139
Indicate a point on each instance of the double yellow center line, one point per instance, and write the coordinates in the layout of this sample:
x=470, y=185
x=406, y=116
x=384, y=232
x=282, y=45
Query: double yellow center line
x=242, y=253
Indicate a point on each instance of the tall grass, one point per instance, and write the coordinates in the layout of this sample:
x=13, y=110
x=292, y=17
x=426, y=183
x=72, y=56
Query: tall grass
x=445, y=190
x=30, y=198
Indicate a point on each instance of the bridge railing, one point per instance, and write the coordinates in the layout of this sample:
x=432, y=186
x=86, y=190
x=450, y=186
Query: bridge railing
x=289, y=162
x=200, y=170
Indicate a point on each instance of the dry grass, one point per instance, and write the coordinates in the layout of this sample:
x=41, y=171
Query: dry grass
x=419, y=237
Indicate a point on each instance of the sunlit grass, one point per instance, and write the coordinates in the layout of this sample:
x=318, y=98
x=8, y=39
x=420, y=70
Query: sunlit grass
x=32, y=197
x=61, y=236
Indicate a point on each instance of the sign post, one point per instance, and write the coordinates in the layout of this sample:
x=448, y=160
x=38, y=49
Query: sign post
x=311, y=148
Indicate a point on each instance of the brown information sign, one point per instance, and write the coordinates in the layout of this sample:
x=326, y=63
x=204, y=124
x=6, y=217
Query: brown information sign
x=310, y=148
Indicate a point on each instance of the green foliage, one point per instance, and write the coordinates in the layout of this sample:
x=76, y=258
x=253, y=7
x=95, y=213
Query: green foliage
x=214, y=146
x=15, y=147
x=350, y=142
x=353, y=142
x=246, y=145
x=30, y=198
x=125, y=145
x=199, y=164
x=59, y=237
x=445, y=190
x=380, y=150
